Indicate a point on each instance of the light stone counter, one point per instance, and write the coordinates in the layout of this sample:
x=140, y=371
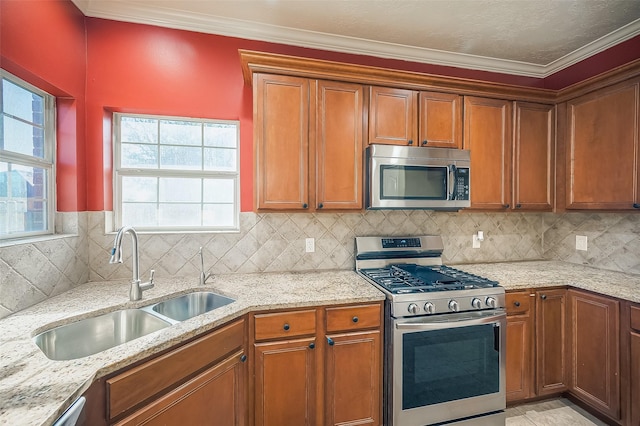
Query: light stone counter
x=35, y=390
x=533, y=274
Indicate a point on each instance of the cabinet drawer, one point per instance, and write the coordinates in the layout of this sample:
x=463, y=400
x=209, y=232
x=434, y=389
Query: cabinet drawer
x=517, y=302
x=635, y=318
x=285, y=324
x=154, y=377
x=353, y=317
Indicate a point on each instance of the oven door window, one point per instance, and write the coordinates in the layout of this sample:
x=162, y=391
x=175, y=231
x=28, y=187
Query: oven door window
x=413, y=182
x=450, y=364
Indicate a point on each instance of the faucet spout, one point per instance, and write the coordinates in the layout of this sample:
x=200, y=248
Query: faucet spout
x=135, y=292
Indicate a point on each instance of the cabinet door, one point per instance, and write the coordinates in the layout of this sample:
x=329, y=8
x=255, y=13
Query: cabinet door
x=338, y=146
x=534, y=141
x=487, y=133
x=393, y=116
x=551, y=366
x=285, y=383
x=353, y=376
x=635, y=379
x=602, y=141
x=281, y=135
x=440, y=120
x=519, y=360
x=216, y=396
x=595, y=347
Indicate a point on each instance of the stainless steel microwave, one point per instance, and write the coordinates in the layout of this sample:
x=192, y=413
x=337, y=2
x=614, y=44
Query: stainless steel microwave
x=406, y=177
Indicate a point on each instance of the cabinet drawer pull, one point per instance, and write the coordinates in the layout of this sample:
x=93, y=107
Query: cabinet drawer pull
x=543, y=296
x=410, y=142
x=505, y=206
x=516, y=304
x=354, y=319
x=636, y=206
x=312, y=345
x=286, y=327
x=425, y=142
x=518, y=206
x=320, y=206
x=330, y=341
x=305, y=205
x=243, y=358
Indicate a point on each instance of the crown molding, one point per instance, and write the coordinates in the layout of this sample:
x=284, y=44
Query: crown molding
x=190, y=21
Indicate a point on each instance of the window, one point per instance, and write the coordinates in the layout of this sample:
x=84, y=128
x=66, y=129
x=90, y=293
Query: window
x=176, y=174
x=27, y=150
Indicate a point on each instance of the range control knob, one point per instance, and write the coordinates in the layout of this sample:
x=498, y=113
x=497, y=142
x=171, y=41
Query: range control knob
x=490, y=302
x=413, y=308
x=453, y=306
x=476, y=303
x=429, y=308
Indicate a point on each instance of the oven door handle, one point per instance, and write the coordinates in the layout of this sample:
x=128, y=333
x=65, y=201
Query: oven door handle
x=451, y=324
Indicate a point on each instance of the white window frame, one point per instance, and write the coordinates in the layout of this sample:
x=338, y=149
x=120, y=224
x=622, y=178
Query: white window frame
x=119, y=172
x=48, y=162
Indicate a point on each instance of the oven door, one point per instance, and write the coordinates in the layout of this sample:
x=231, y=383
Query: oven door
x=448, y=367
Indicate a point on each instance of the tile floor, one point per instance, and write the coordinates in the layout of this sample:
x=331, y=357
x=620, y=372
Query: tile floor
x=555, y=412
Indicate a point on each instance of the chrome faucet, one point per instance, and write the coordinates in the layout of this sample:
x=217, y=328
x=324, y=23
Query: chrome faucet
x=135, y=292
x=203, y=276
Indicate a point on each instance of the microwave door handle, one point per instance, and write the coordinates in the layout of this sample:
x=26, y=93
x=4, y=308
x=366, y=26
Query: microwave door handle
x=452, y=181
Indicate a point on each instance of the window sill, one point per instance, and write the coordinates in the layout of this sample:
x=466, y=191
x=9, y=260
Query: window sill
x=35, y=240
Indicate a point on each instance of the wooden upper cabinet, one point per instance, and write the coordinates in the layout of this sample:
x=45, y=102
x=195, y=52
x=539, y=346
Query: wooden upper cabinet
x=281, y=141
x=487, y=134
x=338, y=146
x=602, y=149
x=533, y=144
x=393, y=116
x=308, y=144
x=440, y=121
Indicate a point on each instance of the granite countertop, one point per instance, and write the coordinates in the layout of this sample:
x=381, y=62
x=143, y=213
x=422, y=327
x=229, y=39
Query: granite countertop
x=35, y=390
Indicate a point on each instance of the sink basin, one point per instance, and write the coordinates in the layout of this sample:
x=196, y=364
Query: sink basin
x=93, y=335
x=190, y=305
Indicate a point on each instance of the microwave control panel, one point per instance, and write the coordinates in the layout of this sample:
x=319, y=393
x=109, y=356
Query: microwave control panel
x=461, y=189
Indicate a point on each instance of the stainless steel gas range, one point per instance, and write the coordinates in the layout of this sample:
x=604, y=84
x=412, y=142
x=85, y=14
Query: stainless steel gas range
x=445, y=329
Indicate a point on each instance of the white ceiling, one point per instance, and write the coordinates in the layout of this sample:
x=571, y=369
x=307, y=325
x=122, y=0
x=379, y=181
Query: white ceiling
x=523, y=37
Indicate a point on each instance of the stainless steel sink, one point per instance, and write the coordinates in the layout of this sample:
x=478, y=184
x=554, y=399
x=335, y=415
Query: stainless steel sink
x=190, y=305
x=92, y=335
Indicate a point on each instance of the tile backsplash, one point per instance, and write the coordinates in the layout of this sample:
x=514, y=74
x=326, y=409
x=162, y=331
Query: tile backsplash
x=31, y=272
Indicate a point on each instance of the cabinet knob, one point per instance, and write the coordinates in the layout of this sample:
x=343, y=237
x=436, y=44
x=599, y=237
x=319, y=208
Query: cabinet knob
x=354, y=319
x=330, y=341
x=636, y=206
x=516, y=304
x=505, y=206
x=312, y=345
x=410, y=142
x=518, y=206
x=320, y=205
x=425, y=142
x=286, y=327
x=305, y=205
x=243, y=358
x=543, y=296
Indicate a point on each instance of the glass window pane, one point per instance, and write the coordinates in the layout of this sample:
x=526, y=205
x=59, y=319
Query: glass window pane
x=140, y=214
x=139, y=156
x=180, y=190
x=139, y=130
x=221, y=135
x=180, y=133
x=179, y=157
x=23, y=138
x=22, y=103
x=218, y=215
x=179, y=215
x=219, y=190
x=23, y=203
x=141, y=189
x=222, y=159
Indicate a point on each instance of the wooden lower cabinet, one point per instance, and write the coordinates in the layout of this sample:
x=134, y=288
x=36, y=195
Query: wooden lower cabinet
x=595, y=351
x=519, y=358
x=551, y=327
x=631, y=351
x=352, y=384
x=634, y=394
x=216, y=396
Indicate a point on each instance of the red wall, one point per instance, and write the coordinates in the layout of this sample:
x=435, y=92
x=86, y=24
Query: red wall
x=145, y=69
x=43, y=42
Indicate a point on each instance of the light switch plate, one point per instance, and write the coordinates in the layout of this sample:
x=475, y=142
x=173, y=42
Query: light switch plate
x=476, y=242
x=581, y=242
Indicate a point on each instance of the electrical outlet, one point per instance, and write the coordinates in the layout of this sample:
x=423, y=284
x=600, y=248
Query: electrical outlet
x=310, y=245
x=476, y=242
x=581, y=242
